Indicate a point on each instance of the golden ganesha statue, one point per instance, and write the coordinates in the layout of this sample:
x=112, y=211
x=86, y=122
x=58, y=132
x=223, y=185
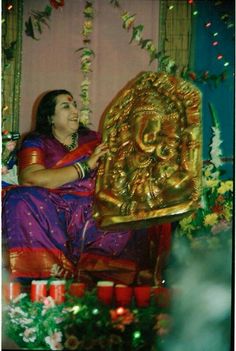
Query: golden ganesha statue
x=152, y=172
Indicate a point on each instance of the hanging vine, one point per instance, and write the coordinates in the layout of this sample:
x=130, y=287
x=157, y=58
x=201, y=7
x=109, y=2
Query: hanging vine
x=86, y=56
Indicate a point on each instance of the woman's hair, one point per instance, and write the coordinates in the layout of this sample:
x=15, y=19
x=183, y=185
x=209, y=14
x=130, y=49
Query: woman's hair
x=46, y=110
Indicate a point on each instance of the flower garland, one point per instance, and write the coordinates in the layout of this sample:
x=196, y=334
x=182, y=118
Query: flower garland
x=85, y=324
x=128, y=21
x=86, y=56
x=166, y=63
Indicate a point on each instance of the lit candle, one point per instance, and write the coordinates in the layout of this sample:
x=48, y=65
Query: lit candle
x=77, y=289
x=123, y=294
x=57, y=290
x=11, y=290
x=142, y=295
x=105, y=291
x=38, y=290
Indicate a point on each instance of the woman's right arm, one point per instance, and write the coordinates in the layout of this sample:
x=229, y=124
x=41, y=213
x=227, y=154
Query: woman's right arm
x=38, y=175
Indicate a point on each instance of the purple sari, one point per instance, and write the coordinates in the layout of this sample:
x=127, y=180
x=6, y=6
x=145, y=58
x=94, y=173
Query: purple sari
x=53, y=232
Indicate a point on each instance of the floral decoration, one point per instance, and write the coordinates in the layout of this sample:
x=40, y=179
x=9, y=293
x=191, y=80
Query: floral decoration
x=128, y=21
x=214, y=215
x=84, y=324
x=8, y=156
x=86, y=56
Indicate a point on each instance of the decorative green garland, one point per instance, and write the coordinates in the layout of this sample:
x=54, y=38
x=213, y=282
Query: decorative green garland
x=86, y=56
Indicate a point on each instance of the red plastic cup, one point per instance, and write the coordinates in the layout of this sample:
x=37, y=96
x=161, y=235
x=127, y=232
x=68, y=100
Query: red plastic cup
x=123, y=295
x=142, y=295
x=77, y=289
x=11, y=290
x=38, y=290
x=162, y=296
x=57, y=291
x=105, y=291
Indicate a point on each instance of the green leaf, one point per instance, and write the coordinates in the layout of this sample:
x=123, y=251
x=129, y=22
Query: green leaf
x=29, y=29
x=38, y=27
x=115, y=3
x=9, y=52
x=48, y=10
x=213, y=115
x=136, y=32
x=144, y=42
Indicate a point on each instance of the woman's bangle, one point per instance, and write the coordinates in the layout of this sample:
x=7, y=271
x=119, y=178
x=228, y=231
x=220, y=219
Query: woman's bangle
x=85, y=167
x=82, y=168
x=78, y=170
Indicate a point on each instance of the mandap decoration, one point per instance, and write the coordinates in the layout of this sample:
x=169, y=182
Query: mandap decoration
x=83, y=321
x=152, y=173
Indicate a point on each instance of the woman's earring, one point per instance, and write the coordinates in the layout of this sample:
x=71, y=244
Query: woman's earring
x=50, y=121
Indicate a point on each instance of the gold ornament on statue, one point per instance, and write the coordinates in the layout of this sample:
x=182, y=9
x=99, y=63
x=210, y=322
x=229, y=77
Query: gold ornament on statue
x=152, y=171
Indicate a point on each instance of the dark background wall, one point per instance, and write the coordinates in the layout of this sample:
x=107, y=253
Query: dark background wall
x=219, y=88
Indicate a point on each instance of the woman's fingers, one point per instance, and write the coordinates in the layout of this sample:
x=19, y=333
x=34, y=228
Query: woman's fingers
x=101, y=150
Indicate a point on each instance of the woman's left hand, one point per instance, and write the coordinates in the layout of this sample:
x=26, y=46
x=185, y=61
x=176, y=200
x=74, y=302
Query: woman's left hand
x=100, y=150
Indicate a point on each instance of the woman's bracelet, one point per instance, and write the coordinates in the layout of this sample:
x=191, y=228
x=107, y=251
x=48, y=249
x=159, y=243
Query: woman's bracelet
x=78, y=170
x=82, y=168
x=86, y=167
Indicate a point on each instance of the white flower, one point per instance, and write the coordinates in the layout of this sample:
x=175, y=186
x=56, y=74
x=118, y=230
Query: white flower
x=220, y=227
x=15, y=312
x=56, y=270
x=54, y=340
x=48, y=303
x=216, y=152
x=24, y=321
x=28, y=335
x=19, y=297
x=59, y=320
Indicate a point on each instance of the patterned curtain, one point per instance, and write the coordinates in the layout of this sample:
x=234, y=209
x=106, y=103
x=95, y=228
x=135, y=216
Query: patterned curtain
x=12, y=18
x=175, y=31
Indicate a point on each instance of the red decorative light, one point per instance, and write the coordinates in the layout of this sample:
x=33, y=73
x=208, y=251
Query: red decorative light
x=120, y=310
x=190, y=2
x=219, y=57
x=215, y=43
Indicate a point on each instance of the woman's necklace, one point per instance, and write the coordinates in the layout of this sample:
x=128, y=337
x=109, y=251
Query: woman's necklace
x=74, y=142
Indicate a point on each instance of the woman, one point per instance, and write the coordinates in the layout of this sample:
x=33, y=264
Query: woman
x=47, y=220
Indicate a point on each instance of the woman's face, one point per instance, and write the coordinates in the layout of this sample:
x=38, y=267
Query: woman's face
x=66, y=118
